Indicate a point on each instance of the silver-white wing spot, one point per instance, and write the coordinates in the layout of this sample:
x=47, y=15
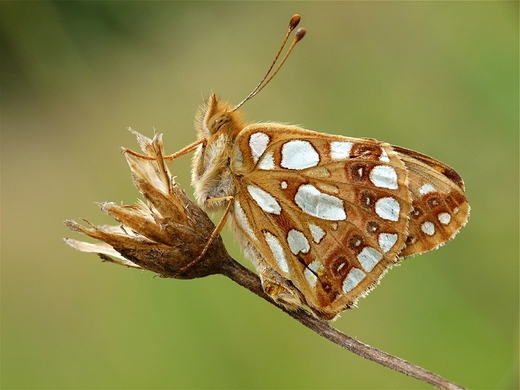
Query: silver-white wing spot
x=388, y=208
x=277, y=251
x=387, y=241
x=444, y=218
x=426, y=188
x=264, y=199
x=298, y=154
x=354, y=277
x=384, y=176
x=340, y=150
x=428, y=228
x=297, y=242
x=258, y=143
x=317, y=233
x=239, y=158
x=311, y=278
x=318, y=204
x=242, y=221
x=384, y=156
x=267, y=162
x=283, y=184
x=313, y=269
x=368, y=258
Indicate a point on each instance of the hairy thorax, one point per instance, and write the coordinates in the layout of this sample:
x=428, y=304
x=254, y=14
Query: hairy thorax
x=212, y=175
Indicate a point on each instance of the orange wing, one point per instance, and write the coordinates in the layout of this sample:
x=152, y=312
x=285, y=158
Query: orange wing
x=328, y=213
x=331, y=214
x=440, y=207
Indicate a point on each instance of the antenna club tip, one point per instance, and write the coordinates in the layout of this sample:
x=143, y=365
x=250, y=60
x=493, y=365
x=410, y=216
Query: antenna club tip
x=294, y=21
x=300, y=33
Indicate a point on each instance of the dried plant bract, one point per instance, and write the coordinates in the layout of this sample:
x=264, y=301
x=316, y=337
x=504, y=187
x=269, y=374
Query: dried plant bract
x=165, y=233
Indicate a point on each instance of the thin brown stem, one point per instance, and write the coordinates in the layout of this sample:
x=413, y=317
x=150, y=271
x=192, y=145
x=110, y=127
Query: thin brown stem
x=245, y=278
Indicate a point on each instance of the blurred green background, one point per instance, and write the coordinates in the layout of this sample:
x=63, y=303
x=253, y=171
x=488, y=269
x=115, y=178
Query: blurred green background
x=437, y=77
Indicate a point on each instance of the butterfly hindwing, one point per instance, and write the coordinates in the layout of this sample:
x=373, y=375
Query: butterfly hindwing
x=329, y=213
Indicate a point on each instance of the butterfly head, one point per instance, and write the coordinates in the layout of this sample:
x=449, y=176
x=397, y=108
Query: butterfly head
x=216, y=117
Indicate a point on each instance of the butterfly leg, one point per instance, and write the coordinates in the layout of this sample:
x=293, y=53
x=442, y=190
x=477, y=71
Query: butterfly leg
x=216, y=231
x=285, y=293
x=280, y=289
x=188, y=149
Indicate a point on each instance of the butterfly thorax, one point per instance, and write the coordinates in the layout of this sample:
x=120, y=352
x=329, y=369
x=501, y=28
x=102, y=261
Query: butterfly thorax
x=217, y=126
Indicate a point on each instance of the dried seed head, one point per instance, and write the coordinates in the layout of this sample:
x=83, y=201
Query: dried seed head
x=163, y=235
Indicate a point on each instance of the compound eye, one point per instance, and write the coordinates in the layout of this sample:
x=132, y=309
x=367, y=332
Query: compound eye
x=218, y=121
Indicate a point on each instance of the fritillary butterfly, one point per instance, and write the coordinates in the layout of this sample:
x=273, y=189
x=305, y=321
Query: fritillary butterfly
x=322, y=217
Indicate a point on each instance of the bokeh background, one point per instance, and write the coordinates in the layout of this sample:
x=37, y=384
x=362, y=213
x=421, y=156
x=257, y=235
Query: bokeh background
x=437, y=77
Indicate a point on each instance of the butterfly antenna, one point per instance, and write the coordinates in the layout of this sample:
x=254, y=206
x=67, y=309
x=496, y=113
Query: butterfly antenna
x=299, y=35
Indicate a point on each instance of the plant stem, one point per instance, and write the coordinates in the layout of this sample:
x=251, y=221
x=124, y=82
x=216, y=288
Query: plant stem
x=245, y=278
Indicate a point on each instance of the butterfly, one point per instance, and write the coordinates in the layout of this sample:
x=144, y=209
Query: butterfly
x=322, y=217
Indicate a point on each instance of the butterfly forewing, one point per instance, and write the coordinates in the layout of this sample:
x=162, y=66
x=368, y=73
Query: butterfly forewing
x=439, y=205
x=329, y=213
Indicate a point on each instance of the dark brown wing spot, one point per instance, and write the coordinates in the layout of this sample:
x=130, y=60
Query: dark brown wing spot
x=433, y=201
x=367, y=199
x=371, y=152
x=359, y=172
x=372, y=227
x=326, y=285
x=416, y=212
x=411, y=239
x=339, y=266
x=355, y=242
